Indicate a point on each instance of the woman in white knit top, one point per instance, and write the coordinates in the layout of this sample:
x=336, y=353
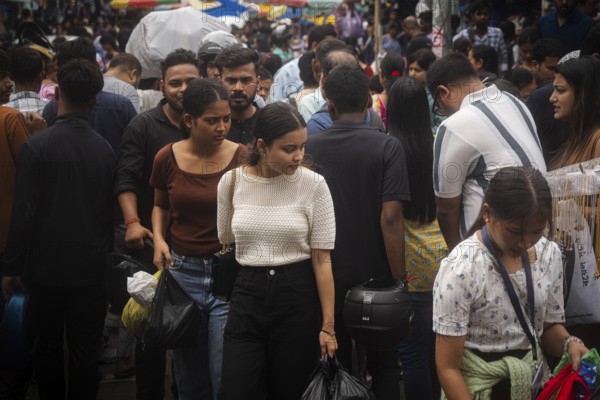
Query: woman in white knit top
x=283, y=225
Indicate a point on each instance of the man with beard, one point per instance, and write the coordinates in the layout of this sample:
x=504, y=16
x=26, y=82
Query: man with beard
x=147, y=133
x=480, y=33
x=238, y=68
x=567, y=23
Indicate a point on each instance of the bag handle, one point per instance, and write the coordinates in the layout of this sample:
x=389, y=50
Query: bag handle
x=226, y=247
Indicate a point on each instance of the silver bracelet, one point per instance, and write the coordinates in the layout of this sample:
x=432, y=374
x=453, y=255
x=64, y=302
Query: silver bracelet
x=568, y=340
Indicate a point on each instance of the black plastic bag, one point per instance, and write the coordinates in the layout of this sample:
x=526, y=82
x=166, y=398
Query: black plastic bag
x=319, y=384
x=121, y=267
x=175, y=319
x=330, y=381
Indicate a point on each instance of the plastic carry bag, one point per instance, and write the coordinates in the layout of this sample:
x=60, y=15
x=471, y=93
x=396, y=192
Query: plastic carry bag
x=135, y=316
x=175, y=319
x=121, y=267
x=330, y=381
x=142, y=287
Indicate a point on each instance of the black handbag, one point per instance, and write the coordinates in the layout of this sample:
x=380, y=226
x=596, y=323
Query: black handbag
x=226, y=267
x=175, y=318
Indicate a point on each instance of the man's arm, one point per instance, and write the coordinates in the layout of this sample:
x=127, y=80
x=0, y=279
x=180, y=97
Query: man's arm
x=28, y=197
x=448, y=214
x=392, y=227
x=135, y=232
x=129, y=181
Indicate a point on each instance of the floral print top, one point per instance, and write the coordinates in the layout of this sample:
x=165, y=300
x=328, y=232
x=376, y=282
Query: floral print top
x=470, y=298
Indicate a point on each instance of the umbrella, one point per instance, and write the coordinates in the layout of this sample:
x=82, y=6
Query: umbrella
x=142, y=3
x=220, y=8
x=161, y=32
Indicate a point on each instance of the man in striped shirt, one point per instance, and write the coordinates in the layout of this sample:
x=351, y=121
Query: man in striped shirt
x=486, y=130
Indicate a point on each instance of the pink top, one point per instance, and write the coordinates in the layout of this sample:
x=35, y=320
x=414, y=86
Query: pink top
x=47, y=90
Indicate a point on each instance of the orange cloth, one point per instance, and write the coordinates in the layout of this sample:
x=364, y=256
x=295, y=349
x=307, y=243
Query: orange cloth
x=13, y=133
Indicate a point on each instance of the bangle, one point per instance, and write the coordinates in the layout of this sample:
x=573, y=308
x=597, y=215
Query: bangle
x=132, y=220
x=568, y=340
x=327, y=332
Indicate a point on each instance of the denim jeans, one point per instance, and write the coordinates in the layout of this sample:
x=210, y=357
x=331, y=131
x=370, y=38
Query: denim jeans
x=417, y=352
x=198, y=369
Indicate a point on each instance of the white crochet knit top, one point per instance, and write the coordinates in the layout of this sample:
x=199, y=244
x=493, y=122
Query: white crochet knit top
x=276, y=221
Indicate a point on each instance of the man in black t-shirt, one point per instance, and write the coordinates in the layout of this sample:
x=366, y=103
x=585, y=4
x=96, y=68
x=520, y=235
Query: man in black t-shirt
x=366, y=174
x=60, y=234
x=238, y=68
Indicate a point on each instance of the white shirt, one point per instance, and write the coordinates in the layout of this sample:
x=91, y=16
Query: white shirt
x=469, y=297
x=276, y=221
x=490, y=131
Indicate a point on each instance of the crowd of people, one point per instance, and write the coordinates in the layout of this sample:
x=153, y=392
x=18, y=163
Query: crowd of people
x=327, y=165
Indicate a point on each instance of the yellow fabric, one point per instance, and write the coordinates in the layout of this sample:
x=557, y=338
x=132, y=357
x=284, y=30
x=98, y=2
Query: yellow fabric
x=135, y=316
x=424, y=250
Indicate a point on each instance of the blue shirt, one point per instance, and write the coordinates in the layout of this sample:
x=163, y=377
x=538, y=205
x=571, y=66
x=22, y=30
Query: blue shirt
x=109, y=117
x=572, y=33
x=286, y=81
x=321, y=121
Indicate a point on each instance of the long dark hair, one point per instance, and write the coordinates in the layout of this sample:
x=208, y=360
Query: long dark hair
x=272, y=122
x=198, y=96
x=583, y=75
x=408, y=121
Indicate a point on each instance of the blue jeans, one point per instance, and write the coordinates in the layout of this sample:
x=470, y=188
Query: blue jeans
x=417, y=352
x=198, y=369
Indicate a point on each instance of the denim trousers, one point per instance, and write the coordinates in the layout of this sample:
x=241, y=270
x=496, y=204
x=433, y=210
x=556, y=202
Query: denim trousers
x=417, y=352
x=198, y=369
x=271, y=338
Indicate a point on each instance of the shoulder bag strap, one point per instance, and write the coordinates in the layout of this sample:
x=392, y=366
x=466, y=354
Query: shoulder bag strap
x=227, y=243
x=512, y=294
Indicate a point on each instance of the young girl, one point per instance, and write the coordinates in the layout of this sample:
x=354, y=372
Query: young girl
x=392, y=68
x=408, y=121
x=185, y=177
x=284, y=228
x=484, y=334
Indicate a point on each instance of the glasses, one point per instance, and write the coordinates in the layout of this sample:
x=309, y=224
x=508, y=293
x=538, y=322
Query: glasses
x=435, y=107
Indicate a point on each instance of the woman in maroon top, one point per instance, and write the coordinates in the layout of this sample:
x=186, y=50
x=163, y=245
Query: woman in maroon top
x=185, y=178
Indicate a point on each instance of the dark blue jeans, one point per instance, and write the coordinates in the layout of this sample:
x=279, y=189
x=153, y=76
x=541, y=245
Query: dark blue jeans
x=417, y=353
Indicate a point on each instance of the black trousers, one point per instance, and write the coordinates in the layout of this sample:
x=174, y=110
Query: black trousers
x=382, y=365
x=79, y=312
x=271, y=334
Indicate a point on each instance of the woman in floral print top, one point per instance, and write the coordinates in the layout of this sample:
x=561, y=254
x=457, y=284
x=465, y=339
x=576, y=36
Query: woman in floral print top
x=472, y=310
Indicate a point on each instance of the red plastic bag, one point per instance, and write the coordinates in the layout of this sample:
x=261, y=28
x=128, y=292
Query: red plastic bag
x=562, y=386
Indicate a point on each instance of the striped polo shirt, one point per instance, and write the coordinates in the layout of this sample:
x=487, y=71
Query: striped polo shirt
x=491, y=130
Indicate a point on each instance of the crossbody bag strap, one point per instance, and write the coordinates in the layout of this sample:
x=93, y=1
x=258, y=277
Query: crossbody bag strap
x=227, y=243
x=512, y=294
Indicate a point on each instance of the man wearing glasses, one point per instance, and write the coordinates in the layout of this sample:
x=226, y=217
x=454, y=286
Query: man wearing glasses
x=486, y=130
